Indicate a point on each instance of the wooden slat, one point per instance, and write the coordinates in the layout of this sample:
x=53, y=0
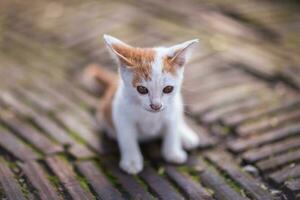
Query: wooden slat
x=68, y=102
x=252, y=186
x=38, y=99
x=92, y=138
x=9, y=184
x=160, y=186
x=190, y=188
x=209, y=178
x=39, y=180
x=98, y=181
x=268, y=137
x=67, y=176
x=293, y=188
x=9, y=99
x=53, y=129
x=278, y=161
x=221, y=81
x=32, y=135
x=128, y=182
x=80, y=151
x=217, y=114
x=15, y=146
x=41, y=119
x=285, y=174
x=221, y=98
x=254, y=155
x=241, y=117
x=268, y=123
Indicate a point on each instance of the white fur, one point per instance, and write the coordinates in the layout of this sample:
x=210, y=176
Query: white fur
x=134, y=120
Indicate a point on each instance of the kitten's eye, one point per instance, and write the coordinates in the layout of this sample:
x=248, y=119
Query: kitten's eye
x=168, y=89
x=142, y=90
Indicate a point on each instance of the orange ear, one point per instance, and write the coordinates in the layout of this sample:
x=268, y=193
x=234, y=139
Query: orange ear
x=178, y=59
x=179, y=53
x=122, y=53
x=118, y=49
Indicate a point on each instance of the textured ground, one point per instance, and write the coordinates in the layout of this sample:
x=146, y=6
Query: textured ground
x=241, y=93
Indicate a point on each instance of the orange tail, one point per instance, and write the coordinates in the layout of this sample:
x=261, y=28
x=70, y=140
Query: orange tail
x=97, y=78
x=109, y=81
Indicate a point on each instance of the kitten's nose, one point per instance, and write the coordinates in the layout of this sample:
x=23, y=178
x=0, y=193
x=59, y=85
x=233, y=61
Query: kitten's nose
x=155, y=106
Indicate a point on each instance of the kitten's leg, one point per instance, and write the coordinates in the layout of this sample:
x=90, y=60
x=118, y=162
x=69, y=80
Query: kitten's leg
x=189, y=138
x=172, y=147
x=131, y=157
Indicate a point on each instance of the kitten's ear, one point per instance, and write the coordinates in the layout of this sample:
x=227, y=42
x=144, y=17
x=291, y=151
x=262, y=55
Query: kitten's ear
x=118, y=49
x=178, y=54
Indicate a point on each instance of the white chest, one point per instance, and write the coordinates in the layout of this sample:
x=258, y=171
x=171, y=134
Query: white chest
x=150, y=125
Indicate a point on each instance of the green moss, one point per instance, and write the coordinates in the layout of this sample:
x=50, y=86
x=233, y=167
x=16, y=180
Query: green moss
x=111, y=177
x=54, y=180
x=76, y=137
x=83, y=183
x=226, y=130
x=233, y=185
x=161, y=171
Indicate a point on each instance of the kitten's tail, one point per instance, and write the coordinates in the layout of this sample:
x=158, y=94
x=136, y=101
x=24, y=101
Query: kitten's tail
x=97, y=79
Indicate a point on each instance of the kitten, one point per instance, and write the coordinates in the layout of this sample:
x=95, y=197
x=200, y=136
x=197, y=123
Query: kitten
x=145, y=102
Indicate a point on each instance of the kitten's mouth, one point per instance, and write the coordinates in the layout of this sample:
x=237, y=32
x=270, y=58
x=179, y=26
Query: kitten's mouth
x=155, y=111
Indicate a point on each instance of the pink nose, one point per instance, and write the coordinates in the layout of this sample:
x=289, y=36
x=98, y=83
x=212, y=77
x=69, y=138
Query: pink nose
x=155, y=106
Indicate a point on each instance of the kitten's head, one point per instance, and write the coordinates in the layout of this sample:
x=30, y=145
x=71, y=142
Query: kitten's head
x=151, y=76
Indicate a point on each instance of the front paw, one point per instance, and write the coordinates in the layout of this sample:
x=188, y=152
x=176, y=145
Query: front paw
x=132, y=164
x=178, y=156
x=190, y=141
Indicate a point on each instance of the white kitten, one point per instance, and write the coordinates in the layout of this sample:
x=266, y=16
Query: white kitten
x=146, y=101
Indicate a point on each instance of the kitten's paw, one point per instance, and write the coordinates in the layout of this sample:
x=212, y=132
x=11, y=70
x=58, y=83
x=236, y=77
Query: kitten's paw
x=190, y=140
x=176, y=156
x=132, y=164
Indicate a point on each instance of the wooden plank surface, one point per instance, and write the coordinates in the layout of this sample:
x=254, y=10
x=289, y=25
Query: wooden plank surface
x=268, y=123
x=160, y=186
x=129, y=183
x=190, y=188
x=293, y=188
x=289, y=172
x=280, y=160
x=39, y=180
x=10, y=185
x=68, y=178
x=253, y=187
x=98, y=181
x=238, y=98
x=240, y=117
x=15, y=146
x=28, y=132
x=270, y=136
x=212, y=180
x=254, y=155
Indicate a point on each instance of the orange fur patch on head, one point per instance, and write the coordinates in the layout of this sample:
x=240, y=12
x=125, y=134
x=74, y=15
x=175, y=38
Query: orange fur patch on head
x=137, y=59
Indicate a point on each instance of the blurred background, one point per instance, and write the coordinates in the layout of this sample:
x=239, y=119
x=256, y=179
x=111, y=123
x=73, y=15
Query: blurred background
x=241, y=93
